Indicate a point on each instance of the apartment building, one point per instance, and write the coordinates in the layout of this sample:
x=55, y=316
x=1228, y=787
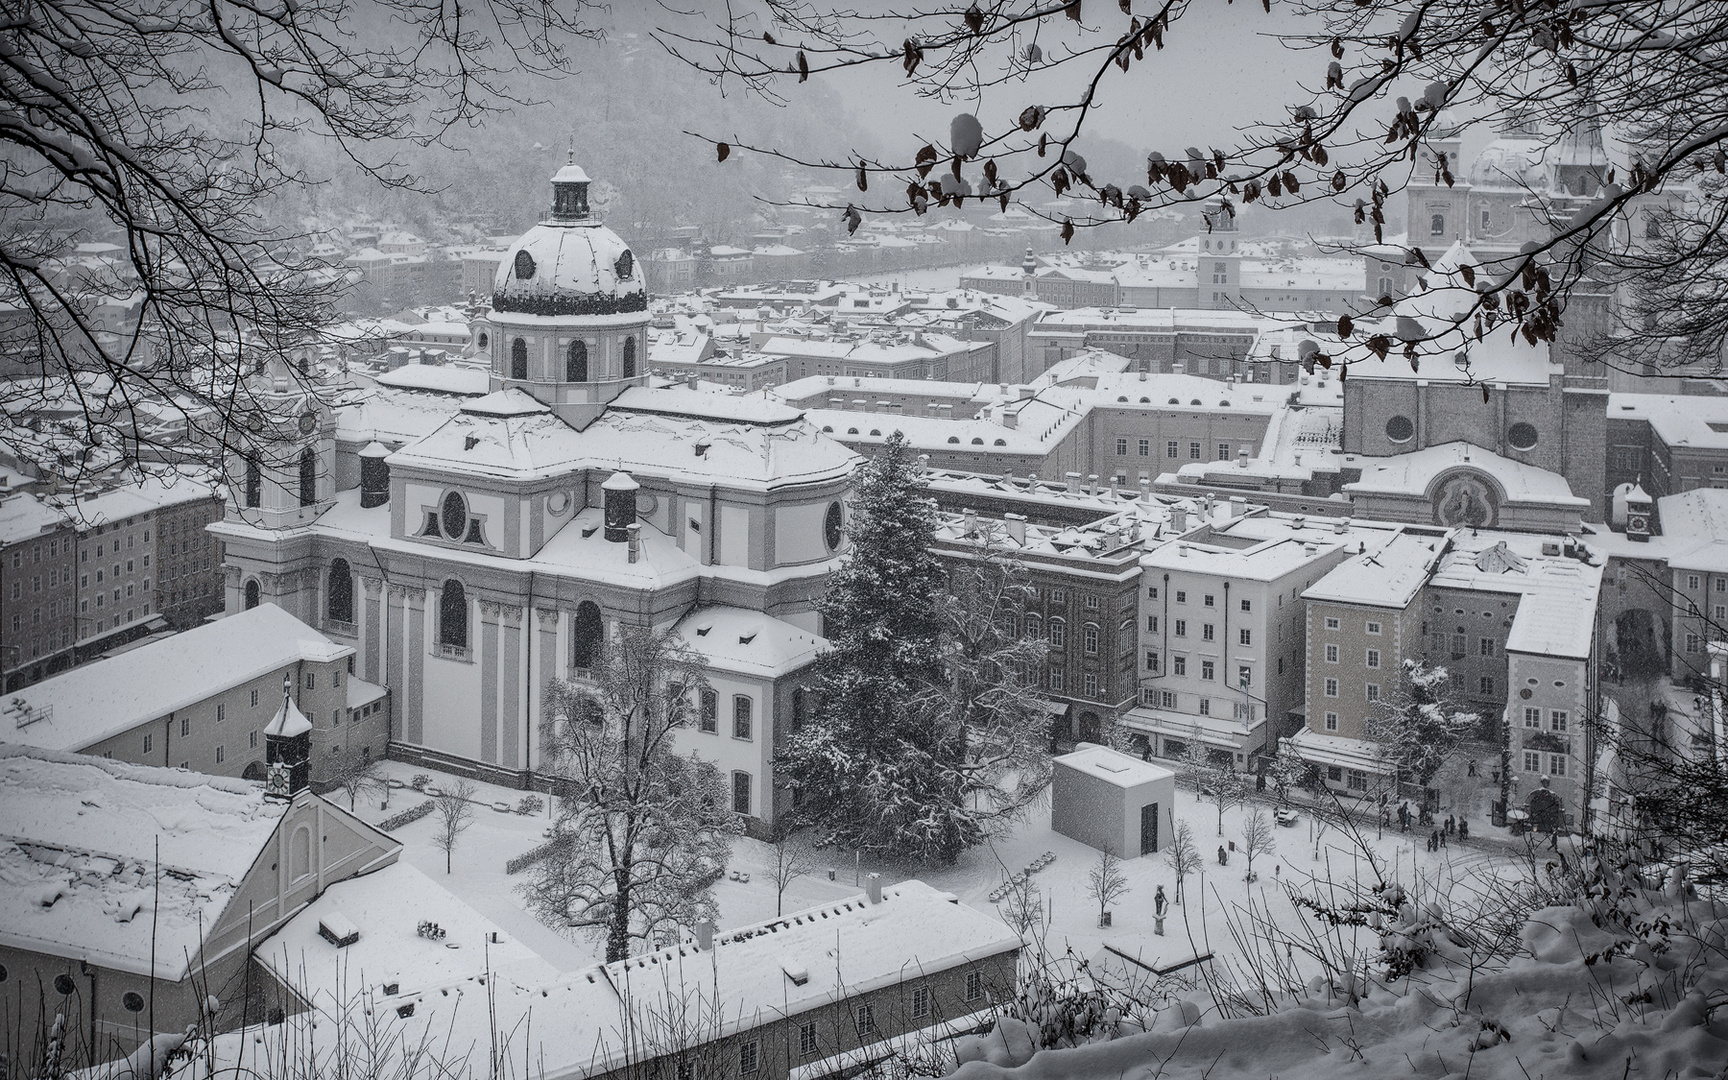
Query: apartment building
x=120, y=583
x=1223, y=634
x=201, y=699
x=1362, y=622
x=38, y=556
x=1084, y=603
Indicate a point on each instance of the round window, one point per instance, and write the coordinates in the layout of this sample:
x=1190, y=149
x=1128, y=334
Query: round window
x=132, y=1001
x=308, y=421
x=1400, y=430
x=646, y=503
x=831, y=526
x=455, y=516
x=625, y=264
x=1522, y=436
x=524, y=265
x=558, y=502
x=484, y=340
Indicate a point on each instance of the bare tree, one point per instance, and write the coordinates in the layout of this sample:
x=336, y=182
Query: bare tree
x=1216, y=781
x=649, y=830
x=1106, y=884
x=356, y=775
x=455, y=810
x=1259, y=837
x=789, y=859
x=1373, y=87
x=180, y=130
x=1182, y=856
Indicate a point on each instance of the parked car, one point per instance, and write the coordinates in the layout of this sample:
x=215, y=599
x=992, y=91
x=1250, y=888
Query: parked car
x=1285, y=816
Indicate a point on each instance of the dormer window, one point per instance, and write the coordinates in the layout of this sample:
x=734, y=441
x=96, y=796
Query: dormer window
x=625, y=264
x=524, y=265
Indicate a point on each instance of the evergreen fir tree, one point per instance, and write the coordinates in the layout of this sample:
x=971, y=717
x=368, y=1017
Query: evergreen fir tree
x=922, y=707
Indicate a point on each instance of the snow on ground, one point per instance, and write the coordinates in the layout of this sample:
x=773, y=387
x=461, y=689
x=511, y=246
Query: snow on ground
x=1197, y=926
x=1562, y=1010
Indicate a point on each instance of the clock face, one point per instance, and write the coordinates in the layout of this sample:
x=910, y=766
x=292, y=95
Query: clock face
x=308, y=421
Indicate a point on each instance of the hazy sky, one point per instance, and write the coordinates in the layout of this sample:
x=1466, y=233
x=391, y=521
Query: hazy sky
x=1218, y=71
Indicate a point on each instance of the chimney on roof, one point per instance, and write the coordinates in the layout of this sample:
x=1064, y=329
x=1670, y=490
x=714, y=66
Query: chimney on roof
x=1179, y=518
x=873, y=888
x=1182, y=550
x=1073, y=481
x=1310, y=549
x=1092, y=484
x=970, y=519
x=1341, y=526
x=374, y=475
x=1016, y=527
x=634, y=529
x=1238, y=506
x=705, y=934
x=620, y=494
x=1010, y=419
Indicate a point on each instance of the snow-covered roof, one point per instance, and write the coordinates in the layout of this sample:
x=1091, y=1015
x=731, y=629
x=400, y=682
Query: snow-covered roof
x=1693, y=421
x=1415, y=473
x=153, y=493
x=440, y=378
x=393, y=415
x=569, y=1026
x=731, y=453
x=749, y=642
x=1114, y=767
x=1556, y=613
x=1388, y=575
x=1694, y=529
x=388, y=906
x=78, y=848
x=25, y=516
x=87, y=704
x=699, y=405
x=506, y=434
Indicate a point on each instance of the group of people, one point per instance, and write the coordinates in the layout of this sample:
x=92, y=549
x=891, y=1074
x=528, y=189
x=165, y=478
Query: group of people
x=1452, y=826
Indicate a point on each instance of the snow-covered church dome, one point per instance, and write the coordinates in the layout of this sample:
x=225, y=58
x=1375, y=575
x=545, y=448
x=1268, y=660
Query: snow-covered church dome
x=569, y=264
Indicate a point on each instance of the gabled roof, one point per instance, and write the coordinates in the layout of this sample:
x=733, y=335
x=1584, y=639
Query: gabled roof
x=78, y=842
x=88, y=704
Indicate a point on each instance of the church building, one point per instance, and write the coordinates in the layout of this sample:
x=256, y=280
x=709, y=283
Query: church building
x=470, y=565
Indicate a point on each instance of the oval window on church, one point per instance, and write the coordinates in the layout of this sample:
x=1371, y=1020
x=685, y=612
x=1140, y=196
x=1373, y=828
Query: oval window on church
x=524, y=265
x=1522, y=436
x=831, y=526
x=1400, y=430
x=455, y=515
x=626, y=263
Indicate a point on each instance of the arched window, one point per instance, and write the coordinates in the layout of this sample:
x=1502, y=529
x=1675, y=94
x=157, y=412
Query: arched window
x=308, y=477
x=254, y=482
x=340, y=606
x=576, y=362
x=630, y=357
x=453, y=615
x=586, y=635
x=1437, y=225
x=518, y=359
x=252, y=595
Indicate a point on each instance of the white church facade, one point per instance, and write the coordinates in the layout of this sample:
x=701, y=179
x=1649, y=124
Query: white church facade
x=473, y=564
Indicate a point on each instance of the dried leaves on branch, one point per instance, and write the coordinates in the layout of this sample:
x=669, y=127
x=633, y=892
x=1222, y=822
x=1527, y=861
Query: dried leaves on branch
x=173, y=130
x=1372, y=87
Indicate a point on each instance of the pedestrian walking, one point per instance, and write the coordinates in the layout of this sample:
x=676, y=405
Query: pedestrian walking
x=1463, y=829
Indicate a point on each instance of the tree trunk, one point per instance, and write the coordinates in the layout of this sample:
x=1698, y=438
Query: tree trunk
x=618, y=933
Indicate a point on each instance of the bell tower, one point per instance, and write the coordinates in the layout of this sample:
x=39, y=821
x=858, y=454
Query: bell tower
x=281, y=464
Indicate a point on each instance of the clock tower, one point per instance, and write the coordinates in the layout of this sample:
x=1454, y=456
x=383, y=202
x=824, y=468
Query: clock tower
x=282, y=459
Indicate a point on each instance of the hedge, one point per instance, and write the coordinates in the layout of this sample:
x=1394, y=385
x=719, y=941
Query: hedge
x=413, y=813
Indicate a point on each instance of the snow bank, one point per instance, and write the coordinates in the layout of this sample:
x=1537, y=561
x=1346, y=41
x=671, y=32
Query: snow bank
x=1589, y=995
